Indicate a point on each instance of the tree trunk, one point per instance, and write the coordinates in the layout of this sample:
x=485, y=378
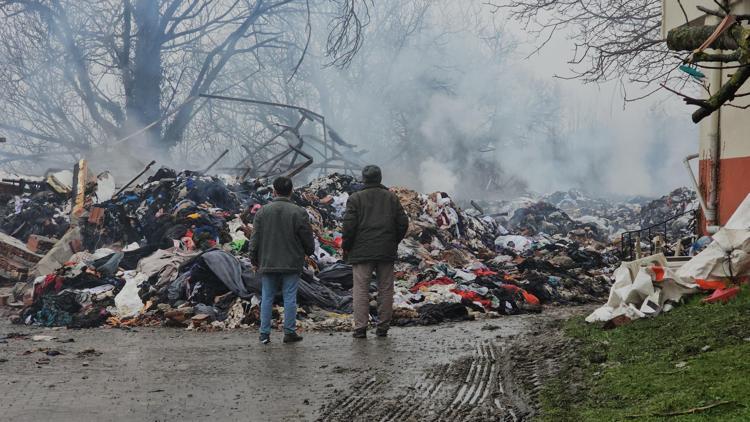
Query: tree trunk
x=689, y=38
x=143, y=102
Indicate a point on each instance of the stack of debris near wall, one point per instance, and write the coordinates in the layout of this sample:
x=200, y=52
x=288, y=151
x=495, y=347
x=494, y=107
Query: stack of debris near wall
x=35, y=215
x=172, y=251
x=15, y=259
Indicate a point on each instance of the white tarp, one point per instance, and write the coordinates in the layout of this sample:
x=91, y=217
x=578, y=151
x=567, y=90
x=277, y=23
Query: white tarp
x=636, y=294
x=726, y=256
x=740, y=220
x=729, y=253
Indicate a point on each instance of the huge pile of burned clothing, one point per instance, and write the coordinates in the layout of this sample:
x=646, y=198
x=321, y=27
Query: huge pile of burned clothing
x=168, y=207
x=78, y=295
x=181, y=242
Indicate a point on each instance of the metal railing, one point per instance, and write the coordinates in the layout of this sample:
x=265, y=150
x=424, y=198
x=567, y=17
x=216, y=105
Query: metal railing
x=630, y=239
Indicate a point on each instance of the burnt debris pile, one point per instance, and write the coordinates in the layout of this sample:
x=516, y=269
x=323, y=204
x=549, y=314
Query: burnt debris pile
x=172, y=251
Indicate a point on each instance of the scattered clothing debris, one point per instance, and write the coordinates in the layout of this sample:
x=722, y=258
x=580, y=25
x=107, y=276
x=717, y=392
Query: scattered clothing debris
x=173, y=251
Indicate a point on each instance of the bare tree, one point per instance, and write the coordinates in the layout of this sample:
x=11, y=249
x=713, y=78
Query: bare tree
x=84, y=73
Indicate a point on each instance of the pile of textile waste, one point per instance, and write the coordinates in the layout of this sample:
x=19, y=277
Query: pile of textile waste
x=173, y=251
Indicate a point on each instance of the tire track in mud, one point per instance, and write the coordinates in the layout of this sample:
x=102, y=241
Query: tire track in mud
x=445, y=392
x=513, y=403
x=495, y=378
x=424, y=402
x=419, y=400
x=531, y=361
x=361, y=398
x=478, y=384
x=495, y=382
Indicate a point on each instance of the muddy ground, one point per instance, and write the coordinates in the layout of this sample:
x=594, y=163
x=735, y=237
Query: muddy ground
x=480, y=370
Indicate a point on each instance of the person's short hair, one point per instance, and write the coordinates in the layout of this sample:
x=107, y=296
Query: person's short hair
x=283, y=186
x=372, y=174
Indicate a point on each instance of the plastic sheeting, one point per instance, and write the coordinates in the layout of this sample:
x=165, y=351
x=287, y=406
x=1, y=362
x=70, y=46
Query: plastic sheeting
x=727, y=256
x=228, y=269
x=310, y=291
x=128, y=302
x=644, y=287
x=729, y=253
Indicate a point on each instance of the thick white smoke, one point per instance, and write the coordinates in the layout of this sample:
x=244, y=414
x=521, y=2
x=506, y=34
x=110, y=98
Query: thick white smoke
x=446, y=109
x=436, y=176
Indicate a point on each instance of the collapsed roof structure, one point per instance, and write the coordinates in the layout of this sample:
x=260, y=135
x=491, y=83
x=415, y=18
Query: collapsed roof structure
x=290, y=151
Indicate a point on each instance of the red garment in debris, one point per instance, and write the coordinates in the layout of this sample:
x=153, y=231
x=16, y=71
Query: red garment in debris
x=336, y=243
x=710, y=284
x=528, y=297
x=445, y=281
x=484, y=272
x=474, y=297
x=49, y=280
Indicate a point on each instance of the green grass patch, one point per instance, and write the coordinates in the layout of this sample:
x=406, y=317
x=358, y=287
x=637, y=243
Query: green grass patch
x=696, y=355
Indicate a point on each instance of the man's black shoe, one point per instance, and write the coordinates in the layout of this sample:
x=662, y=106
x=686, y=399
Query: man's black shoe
x=360, y=333
x=265, y=338
x=292, y=337
x=381, y=332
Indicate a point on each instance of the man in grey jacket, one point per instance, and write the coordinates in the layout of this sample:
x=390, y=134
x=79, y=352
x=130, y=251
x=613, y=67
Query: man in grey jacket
x=374, y=225
x=281, y=239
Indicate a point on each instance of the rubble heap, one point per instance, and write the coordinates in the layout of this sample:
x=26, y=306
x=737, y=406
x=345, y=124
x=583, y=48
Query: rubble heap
x=172, y=251
x=603, y=219
x=41, y=214
x=614, y=218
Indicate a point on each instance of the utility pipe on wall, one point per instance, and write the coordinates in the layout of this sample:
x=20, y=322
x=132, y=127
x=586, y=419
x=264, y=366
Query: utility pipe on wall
x=713, y=136
x=701, y=200
x=712, y=227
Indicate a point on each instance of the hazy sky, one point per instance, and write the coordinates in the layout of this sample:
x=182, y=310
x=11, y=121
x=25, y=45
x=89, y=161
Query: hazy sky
x=634, y=172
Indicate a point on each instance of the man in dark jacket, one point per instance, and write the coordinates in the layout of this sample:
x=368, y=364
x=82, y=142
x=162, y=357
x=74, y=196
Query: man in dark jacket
x=281, y=239
x=374, y=224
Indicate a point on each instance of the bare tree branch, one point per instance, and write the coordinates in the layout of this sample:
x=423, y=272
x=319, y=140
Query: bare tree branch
x=614, y=39
x=345, y=37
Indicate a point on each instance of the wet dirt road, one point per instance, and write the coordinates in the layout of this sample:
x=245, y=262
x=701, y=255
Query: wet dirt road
x=448, y=372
